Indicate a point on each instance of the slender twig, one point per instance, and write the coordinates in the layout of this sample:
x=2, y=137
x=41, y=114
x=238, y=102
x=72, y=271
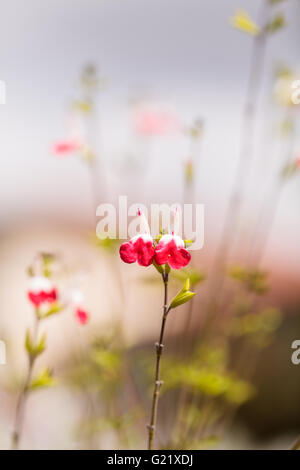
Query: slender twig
x=159, y=349
x=20, y=408
x=244, y=161
x=267, y=215
x=296, y=445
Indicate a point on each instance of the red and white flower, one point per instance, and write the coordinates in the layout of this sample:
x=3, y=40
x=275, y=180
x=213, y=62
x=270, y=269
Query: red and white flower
x=76, y=300
x=140, y=248
x=171, y=248
x=41, y=291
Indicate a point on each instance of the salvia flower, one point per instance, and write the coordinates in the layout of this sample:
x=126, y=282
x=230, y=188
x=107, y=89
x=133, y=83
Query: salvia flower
x=171, y=248
x=76, y=300
x=41, y=291
x=140, y=248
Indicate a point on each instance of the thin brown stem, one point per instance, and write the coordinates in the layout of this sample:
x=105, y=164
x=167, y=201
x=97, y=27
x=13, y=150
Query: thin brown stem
x=296, y=445
x=20, y=408
x=159, y=349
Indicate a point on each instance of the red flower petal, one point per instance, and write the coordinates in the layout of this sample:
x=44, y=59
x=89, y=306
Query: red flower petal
x=128, y=253
x=144, y=251
x=179, y=259
x=37, y=298
x=162, y=253
x=66, y=147
x=81, y=316
x=51, y=296
x=169, y=253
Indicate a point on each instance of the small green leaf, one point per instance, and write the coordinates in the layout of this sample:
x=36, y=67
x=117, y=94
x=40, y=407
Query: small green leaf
x=194, y=275
x=55, y=308
x=183, y=296
x=188, y=243
x=167, y=269
x=277, y=23
x=275, y=2
x=243, y=22
x=44, y=379
x=158, y=267
x=34, y=350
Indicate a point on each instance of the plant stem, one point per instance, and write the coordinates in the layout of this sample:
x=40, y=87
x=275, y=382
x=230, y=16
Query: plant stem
x=245, y=155
x=159, y=349
x=296, y=445
x=24, y=393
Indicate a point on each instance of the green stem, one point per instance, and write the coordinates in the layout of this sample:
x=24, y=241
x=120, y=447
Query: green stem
x=24, y=393
x=159, y=349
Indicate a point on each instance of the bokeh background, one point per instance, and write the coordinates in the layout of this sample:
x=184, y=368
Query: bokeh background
x=183, y=59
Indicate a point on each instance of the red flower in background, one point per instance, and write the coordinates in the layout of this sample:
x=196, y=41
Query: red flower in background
x=65, y=147
x=140, y=248
x=81, y=316
x=76, y=299
x=151, y=120
x=41, y=290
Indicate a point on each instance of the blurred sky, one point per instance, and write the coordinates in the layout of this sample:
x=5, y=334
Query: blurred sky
x=183, y=51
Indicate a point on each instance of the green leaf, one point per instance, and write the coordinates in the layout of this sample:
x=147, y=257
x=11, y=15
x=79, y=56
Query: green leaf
x=290, y=169
x=253, y=279
x=183, y=296
x=243, y=22
x=44, y=379
x=167, y=269
x=54, y=309
x=158, y=267
x=277, y=23
x=34, y=350
x=195, y=276
x=188, y=243
x=275, y=2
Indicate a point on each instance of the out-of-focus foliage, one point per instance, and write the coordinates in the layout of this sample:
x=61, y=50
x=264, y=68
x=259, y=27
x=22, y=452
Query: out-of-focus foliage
x=254, y=280
x=278, y=22
x=259, y=327
x=207, y=378
x=108, y=244
x=194, y=275
x=33, y=349
x=243, y=22
x=43, y=379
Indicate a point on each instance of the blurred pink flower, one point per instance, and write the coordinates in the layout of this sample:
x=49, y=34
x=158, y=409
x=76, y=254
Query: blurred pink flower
x=81, y=316
x=66, y=147
x=152, y=121
x=76, y=298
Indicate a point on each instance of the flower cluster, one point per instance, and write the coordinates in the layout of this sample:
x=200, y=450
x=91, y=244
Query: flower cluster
x=44, y=294
x=168, y=249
